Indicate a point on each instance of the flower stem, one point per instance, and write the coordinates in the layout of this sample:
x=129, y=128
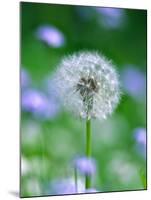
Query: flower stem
x=75, y=179
x=88, y=150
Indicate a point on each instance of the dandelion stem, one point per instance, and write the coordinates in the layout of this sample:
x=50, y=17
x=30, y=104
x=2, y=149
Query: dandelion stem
x=88, y=150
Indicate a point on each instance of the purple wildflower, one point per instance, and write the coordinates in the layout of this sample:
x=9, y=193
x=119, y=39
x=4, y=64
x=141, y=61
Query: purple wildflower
x=140, y=137
x=134, y=82
x=85, y=165
x=25, y=78
x=38, y=104
x=51, y=35
x=66, y=186
x=111, y=17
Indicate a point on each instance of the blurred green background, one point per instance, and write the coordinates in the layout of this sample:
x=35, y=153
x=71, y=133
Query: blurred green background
x=50, y=142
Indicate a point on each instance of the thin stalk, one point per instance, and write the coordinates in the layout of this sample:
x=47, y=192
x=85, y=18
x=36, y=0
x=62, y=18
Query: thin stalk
x=88, y=150
x=76, y=179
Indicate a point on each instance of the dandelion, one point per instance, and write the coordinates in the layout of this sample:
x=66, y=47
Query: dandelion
x=88, y=86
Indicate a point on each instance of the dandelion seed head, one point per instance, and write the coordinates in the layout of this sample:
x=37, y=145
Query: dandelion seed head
x=88, y=84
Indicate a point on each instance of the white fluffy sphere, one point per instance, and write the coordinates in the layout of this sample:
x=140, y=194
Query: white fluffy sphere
x=88, y=85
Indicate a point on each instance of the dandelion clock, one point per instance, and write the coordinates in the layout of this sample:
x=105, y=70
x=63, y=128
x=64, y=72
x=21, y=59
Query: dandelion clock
x=88, y=86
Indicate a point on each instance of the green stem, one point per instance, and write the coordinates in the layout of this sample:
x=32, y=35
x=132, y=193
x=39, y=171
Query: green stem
x=88, y=150
x=76, y=179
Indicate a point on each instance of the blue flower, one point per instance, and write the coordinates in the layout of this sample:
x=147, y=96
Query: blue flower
x=37, y=103
x=134, y=82
x=111, y=17
x=140, y=135
x=65, y=186
x=51, y=35
x=84, y=165
x=25, y=78
x=140, y=138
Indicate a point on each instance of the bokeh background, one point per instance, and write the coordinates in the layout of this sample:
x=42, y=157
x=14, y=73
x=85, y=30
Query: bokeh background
x=51, y=137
